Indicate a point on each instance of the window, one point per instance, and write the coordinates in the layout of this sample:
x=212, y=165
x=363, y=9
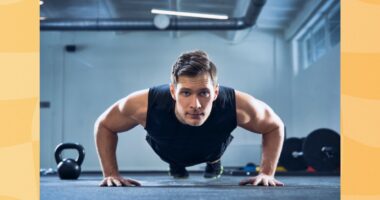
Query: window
x=334, y=25
x=318, y=36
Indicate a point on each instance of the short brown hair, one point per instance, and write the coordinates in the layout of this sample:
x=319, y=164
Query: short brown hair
x=192, y=64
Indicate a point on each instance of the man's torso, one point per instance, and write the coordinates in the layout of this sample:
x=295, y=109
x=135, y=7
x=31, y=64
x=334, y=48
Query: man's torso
x=189, y=145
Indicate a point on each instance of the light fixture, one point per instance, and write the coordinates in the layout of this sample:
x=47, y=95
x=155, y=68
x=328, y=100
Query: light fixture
x=188, y=14
x=41, y=3
x=161, y=21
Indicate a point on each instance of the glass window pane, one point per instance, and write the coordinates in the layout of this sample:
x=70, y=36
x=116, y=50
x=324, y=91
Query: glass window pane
x=319, y=37
x=309, y=51
x=334, y=25
x=335, y=36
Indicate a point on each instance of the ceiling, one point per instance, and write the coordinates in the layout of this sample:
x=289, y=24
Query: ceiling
x=276, y=14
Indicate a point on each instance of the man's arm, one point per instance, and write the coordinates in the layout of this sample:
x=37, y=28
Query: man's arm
x=256, y=116
x=121, y=116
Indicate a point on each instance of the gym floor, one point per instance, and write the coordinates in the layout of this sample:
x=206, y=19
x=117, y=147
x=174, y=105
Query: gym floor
x=161, y=186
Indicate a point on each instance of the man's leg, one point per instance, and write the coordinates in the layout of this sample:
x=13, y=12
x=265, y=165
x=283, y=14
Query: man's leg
x=213, y=169
x=178, y=171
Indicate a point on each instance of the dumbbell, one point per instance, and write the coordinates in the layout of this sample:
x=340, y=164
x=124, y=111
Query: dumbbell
x=320, y=150
x=249, y=168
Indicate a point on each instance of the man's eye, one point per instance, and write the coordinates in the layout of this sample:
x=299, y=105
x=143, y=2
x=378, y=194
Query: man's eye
x=205, y=94
x=186, y=93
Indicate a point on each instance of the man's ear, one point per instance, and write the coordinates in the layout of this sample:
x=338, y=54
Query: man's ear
x=172, y=91
x=216, y=89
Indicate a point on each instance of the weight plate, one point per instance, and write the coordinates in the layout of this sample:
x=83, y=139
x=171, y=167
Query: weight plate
x=287, y=159
x=322, y=150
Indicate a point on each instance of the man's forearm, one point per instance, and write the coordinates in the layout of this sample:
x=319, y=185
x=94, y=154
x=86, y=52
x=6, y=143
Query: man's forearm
x=272, y=145
x=106, y=143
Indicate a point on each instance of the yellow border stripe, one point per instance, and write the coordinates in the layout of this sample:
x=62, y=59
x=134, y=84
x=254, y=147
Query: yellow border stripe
x=360, y=99
x=19, y=99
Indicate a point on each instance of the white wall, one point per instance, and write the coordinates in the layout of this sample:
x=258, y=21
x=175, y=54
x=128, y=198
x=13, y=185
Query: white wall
x=108, y=66
x=316, y=96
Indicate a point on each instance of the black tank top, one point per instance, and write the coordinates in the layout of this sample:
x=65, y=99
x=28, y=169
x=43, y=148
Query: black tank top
x=188, y=145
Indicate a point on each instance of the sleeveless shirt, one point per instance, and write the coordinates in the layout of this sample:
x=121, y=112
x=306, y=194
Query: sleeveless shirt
x=186, y=145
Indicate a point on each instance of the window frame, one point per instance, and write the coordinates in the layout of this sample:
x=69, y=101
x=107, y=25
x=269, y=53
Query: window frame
x=306, y=39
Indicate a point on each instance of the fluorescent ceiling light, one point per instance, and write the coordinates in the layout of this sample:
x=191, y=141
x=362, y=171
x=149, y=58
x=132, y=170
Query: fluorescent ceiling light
x=188, y=14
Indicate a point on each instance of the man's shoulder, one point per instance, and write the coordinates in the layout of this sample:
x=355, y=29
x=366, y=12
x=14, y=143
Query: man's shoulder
x=135, y=102
x=135, y=106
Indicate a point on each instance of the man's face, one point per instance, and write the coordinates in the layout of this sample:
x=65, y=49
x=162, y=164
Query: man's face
x=194, y=97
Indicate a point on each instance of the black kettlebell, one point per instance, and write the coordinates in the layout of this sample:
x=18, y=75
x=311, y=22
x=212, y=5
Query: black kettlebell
x=69, y=168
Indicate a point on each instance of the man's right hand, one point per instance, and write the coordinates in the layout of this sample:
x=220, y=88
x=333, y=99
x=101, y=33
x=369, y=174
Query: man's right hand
x=118, y=181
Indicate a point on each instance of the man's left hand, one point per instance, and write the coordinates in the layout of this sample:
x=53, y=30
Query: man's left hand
x=261, y=180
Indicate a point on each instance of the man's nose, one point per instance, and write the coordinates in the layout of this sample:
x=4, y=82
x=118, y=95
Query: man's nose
x=195, y=103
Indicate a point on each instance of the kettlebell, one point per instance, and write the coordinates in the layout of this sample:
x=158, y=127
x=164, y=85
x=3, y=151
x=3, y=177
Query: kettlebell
x=69, y=168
